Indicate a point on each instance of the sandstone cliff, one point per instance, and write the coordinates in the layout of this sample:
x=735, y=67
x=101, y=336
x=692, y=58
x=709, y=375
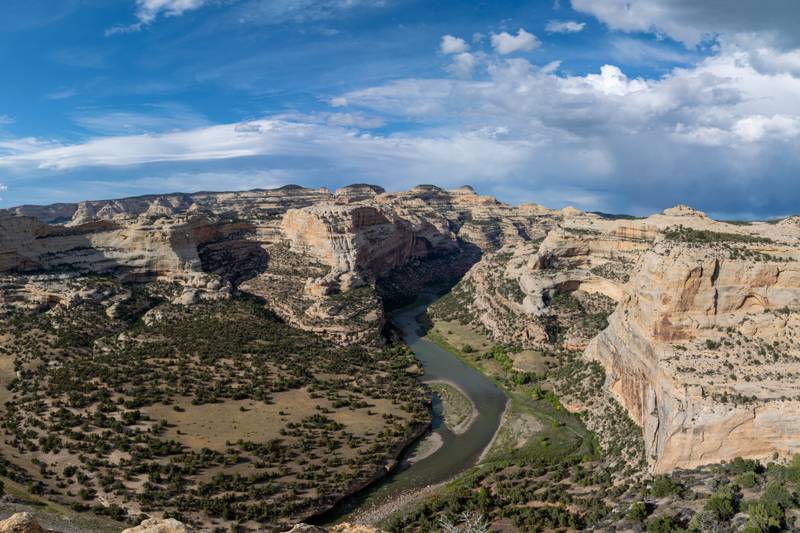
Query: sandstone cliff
x=699, y=347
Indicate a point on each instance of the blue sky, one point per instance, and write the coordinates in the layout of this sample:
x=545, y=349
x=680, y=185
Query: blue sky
x=616, y=105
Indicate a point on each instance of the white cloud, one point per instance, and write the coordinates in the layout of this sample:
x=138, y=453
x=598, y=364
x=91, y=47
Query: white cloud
x=644, y=143
x=147, y=11
x=138, y=119
x=352, y=120
x=463, y=64
x=610, y=81
x=504, y=43
x=5, y=120
x=756, y=127
x=722, y=132
x=269, y=12
x=564, y=26
x=453, y=45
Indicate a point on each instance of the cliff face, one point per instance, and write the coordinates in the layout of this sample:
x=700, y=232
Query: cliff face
x=356, y=239
x=163, y=248
x=700, y=353
x=700, y=347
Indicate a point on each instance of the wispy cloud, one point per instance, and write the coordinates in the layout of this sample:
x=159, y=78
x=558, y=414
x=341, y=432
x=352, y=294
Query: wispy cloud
x=148, y=118
x=62, y=93
x=564, y=26
x=631, y=51
x=148, y=11
x=269, y=12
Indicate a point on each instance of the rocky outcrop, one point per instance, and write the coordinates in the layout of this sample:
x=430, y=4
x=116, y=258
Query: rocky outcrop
x=163, y=249
x=21, y=523
x=358, y=242
x=160, y=525
x=338, y=528
x=311, y=255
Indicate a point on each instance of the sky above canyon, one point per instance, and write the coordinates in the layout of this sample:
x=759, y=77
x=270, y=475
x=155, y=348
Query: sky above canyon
x=614, y=105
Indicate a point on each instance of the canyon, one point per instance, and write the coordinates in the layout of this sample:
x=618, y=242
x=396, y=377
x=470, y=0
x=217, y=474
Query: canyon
x=694, y=321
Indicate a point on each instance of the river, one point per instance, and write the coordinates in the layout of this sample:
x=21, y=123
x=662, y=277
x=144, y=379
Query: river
x=458, y=452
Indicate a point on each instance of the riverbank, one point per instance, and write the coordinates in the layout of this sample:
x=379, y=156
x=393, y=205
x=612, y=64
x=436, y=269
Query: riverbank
x=473, y=405
x=458, y=409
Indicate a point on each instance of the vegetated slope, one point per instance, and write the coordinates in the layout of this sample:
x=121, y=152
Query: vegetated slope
x=137, y=359
x=217, y=413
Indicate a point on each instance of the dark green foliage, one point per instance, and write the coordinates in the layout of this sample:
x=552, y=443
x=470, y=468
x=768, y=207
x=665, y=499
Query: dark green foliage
x=684, y=234
x=98, y=375
x=663, y=486
x=747, y=480
x=662, y=524
x=638, y=512
x=725, y=502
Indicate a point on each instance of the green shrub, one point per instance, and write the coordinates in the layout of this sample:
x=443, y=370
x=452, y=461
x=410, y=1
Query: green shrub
x=725, y=502
x=740, y=466
x=684, y=234
x=662, y=524
x=747, y=480
x=638, y=512
x=663, y=486
x=764, y=518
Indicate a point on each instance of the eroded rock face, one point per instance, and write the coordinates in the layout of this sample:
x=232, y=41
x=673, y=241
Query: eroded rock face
x=313, y=256
x=686, y=354
x=701, y=348
x=353, y=239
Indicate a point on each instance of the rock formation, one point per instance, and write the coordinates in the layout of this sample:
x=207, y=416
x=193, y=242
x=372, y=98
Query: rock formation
x=159, y=525
x=699, y=350
x=21, y=523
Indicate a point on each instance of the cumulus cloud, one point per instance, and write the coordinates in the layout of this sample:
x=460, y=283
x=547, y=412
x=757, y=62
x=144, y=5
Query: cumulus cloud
x=721, y=132
x=463, y=64
x=756, y=127
x=504, y=43
x=564, y=26
x=453, y=45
